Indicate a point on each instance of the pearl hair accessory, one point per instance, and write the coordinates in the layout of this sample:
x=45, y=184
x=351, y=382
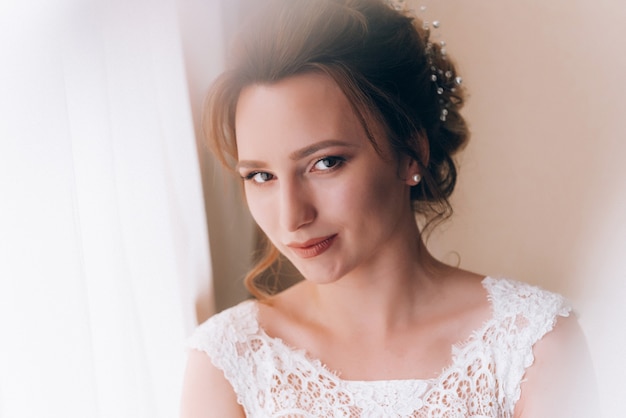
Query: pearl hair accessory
x=416, y=179
x=441, y=77
x=399, y=4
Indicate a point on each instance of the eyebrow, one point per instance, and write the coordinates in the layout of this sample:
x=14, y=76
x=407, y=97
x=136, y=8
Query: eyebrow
x=301, y=153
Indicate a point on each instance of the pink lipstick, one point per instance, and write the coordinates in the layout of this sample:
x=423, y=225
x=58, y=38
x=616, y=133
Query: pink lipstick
x=312, y=247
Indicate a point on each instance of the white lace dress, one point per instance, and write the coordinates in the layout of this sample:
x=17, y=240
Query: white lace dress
x=272, y=379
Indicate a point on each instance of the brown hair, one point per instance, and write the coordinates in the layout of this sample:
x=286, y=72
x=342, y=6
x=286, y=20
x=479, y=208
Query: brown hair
x=383, y=61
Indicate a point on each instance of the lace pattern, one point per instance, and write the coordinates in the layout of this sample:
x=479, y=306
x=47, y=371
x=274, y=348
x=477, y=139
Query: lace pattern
x=272, y=379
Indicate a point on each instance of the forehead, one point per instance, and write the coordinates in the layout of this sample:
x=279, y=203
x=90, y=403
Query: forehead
x=292, y=113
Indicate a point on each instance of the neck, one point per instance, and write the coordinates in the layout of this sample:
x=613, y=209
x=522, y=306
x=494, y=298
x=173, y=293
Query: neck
x=390, y=292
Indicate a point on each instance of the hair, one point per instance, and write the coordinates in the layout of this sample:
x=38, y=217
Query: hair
x=384, y=63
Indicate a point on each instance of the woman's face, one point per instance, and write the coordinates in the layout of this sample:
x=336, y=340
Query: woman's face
x=313, y=181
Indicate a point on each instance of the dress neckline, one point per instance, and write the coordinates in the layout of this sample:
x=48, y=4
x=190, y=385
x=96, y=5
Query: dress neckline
x=456, y=349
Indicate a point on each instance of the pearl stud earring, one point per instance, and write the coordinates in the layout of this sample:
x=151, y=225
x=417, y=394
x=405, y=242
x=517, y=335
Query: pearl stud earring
x=416, y=178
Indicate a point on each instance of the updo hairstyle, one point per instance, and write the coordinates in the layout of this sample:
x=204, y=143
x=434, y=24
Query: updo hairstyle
x=383, y=61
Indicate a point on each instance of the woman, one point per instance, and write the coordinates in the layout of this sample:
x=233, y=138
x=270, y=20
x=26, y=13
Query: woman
x=342, y=118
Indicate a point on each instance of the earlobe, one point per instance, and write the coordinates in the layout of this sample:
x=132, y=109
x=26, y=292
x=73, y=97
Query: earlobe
x=413, y=176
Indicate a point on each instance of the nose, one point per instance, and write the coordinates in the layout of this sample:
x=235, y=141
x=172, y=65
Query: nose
x=296, y=206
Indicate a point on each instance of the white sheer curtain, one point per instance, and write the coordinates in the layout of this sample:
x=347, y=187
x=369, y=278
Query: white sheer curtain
x=103, y=244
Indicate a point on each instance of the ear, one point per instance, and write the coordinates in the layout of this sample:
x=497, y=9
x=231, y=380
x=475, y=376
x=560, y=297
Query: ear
x=412, y=173
x=414, y=166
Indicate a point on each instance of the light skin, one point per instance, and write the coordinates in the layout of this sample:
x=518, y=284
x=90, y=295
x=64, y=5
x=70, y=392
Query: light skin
x=340, y=212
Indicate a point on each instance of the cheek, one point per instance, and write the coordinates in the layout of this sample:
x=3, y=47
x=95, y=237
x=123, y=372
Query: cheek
x=378, y=189
x=261, y=209
x=368, y=200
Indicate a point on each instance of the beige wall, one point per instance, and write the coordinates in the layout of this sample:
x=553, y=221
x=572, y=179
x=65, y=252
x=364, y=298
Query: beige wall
x=542, y=191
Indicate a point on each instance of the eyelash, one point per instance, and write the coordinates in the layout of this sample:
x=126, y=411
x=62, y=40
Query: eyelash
x=250, y=177
x=339, y=161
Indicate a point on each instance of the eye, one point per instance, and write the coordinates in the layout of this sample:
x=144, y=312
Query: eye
x=328, y=163
x=259, y=177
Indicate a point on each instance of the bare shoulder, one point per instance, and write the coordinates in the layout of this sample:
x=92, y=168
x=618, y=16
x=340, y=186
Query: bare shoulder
x=467, y=281
x=464, y=300
x=206, y=392
x=466, y=289
x=280, y=313
x=561, y=381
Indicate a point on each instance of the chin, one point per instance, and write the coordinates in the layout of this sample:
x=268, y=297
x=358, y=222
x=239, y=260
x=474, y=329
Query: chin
x=320, y=274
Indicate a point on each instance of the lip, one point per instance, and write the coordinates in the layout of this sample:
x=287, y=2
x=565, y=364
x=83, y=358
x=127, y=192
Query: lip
x=312, y=247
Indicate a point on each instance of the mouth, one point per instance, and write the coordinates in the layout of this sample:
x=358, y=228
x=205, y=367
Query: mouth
x=312, y=247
